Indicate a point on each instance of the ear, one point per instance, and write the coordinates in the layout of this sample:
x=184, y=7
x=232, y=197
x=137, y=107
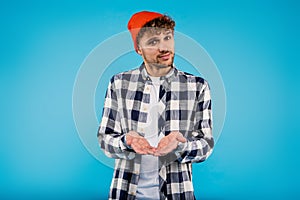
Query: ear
x=139, y=51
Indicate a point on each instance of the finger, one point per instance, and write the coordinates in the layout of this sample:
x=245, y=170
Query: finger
x=156, y=154
x=160, y=150
x=139, y=150
x=181, y=139
x=129, y=141
x=136, y=145
x=161, y=147
x=143, y=143
x=148, y=148
x=163, y=142
x=147, y=145
x=159, y=153
x=147, y=151
x=163, y=150
x=150, y=151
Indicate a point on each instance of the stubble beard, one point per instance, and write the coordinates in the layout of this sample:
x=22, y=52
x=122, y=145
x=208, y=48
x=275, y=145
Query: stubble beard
x=158, y=64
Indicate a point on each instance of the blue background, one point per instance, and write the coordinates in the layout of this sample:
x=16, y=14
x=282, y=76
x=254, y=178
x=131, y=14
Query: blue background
x=255, y=45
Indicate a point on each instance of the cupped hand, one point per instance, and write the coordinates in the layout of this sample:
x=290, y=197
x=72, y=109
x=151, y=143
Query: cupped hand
x=168, y=143
x=138, y=143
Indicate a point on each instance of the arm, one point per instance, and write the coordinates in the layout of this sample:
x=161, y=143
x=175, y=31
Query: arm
x=200, y=144
x=111, y=138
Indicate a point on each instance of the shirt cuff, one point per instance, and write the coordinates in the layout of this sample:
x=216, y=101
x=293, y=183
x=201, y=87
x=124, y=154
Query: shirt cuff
x=123, y=143
x=180, y=148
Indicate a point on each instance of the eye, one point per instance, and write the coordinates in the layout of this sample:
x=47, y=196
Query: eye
x=168, y=37
x=152, y=42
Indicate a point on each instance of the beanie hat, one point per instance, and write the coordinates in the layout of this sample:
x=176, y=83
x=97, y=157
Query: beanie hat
x=137, y=21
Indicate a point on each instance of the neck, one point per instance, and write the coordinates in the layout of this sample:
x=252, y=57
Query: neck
x=157, y=70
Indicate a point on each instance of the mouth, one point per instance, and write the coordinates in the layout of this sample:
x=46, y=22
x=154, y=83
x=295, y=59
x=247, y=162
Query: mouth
x=165, y=56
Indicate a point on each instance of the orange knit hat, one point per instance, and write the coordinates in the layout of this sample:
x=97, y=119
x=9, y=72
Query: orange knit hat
x=137, y=21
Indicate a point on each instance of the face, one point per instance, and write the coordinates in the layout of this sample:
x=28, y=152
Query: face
x=157, y=48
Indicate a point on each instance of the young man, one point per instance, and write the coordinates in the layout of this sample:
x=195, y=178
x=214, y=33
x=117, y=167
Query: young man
x=156, y=119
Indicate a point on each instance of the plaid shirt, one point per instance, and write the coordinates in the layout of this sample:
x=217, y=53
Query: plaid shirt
x=184, y=106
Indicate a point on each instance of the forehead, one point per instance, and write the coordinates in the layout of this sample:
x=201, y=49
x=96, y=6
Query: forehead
x=154, y=31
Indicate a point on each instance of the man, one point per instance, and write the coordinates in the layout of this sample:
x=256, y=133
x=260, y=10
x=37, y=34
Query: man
x=156, y=119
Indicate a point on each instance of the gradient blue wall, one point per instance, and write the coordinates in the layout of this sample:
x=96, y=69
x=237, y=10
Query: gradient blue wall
x=255, y=45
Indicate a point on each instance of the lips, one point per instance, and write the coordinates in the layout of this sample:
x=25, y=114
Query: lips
x=165, y=56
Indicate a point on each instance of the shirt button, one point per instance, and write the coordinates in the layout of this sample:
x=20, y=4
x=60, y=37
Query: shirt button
x=147, y=88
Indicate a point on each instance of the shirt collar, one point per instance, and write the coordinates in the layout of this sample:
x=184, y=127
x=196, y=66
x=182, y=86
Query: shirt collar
x=168, y=78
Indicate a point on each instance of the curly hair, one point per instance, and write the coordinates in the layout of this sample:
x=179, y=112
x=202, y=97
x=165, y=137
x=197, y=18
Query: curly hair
x=163, y=22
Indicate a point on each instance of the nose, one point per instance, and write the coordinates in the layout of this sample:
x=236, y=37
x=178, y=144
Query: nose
x=163, y=46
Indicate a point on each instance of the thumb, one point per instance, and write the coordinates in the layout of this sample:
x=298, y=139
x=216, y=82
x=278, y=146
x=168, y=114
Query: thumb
x=181, y=139
x=128, y=140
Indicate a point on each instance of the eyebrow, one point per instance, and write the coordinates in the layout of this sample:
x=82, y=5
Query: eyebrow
x=155, y=35
x=152, y=38
x=167, y=32
x=158, y=32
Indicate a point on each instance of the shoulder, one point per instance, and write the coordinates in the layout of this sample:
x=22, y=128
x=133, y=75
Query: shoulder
x=129, y=75
x=194, y=83
x=190, y=78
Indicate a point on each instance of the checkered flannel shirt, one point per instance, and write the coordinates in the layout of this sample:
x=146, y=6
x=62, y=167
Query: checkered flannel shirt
x=185, y=106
